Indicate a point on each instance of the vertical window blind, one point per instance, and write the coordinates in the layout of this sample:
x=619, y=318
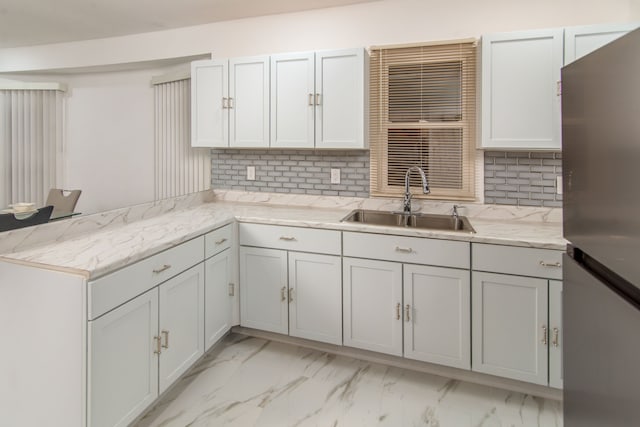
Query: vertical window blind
x=179, y=168
x=31, y=144
x=422, y=113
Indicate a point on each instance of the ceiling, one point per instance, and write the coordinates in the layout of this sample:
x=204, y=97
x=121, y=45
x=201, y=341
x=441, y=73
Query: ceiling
x=34, y=22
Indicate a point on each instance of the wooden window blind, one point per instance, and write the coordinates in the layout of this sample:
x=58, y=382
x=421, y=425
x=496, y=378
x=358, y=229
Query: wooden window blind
x=422, y=113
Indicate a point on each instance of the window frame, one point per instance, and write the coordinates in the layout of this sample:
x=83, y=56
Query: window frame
x=380, y=123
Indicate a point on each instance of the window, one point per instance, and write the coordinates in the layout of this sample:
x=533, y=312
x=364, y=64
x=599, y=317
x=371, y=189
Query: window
x=31, y=141
x=423, y=114
x=179, y=168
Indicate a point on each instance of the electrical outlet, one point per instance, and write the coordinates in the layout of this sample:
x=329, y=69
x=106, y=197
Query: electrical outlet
x=251, y=173
x=559, y=185
x=335, y=176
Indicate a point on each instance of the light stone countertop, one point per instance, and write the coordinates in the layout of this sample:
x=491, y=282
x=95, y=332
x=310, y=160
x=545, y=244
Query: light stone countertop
x=102, y=251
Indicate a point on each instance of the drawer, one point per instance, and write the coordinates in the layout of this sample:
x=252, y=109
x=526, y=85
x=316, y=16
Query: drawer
x=517, y=260
x=290, y=238
x=218, y=240
x=116, y=288
x=414, y=250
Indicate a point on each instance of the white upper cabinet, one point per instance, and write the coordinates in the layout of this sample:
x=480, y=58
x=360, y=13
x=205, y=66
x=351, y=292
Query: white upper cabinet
x=248, y=103
x=292, y=100
x=340, y=99
x=209, y=97
x=318, y=100
x=230, y=103
x=580, y=41
x=520, y=90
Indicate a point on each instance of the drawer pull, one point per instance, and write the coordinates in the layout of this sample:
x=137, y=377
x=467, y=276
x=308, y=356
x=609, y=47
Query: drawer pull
x=405, y=250
x=221, y=241
x=283, y=294
x=158, y=345
x=287, y=238
x=556, y=334
x=161, y=269
x=165, y=334
x=550, y=264
x=398, y=311
x=544, y=334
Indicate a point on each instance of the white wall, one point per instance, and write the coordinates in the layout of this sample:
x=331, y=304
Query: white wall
x=110, y=121
x=109, y=149
x=383, y=22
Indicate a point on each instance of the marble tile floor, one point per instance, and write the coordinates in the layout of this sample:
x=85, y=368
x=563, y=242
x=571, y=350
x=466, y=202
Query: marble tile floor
x=246, y=381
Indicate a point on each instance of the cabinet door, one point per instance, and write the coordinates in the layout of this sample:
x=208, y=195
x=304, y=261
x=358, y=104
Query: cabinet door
x=209, y=115
x=263, y=284
x=218, y=297
x=292, y=100
x=580, y=41
x=181, y=324
x=555, y=334
x=520, y=90
x=340, y=85
x=372, y=305
x=437, y=315
x=509, y=323
x=249, y=102
x=315, y=297
x=123, y=368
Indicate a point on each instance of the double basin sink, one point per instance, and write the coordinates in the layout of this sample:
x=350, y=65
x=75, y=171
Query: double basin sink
x=413, y=220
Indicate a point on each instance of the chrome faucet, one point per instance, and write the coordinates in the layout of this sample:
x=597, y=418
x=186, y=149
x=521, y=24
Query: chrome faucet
x=406, y=202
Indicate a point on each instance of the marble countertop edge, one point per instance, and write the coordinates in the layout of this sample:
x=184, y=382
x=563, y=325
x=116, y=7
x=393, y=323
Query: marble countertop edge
x=95, y=254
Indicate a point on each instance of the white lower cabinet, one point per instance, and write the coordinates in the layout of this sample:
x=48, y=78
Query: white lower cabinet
x=428, y=306
x=555, y=334
x=181, y=324
x=263, y=294
x=290, y=281
x=218, y=293
x=437, y=326
x=372, y=304
x=123, y=366
x=138, y=349
x=315, y=311
x=291, y=293
x=510, y=329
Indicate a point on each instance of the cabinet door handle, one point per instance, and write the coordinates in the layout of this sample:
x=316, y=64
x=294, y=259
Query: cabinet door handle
x=550, y=264
x=405, y=250
x=232, y=289
x=287, y=238
x=158, y=348
x=225, y=103
x=283, y=293
x=161, y=269
x=221, y=241
x=408, y=312
x=556, y=337
x=398, y=309
x=230, y=102
x=165, y=334
x=311, y=99
x=317, y=99
x=290, y=294
x=544, y=334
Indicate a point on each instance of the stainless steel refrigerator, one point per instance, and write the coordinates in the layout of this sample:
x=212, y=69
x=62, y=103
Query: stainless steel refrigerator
x=601, y=176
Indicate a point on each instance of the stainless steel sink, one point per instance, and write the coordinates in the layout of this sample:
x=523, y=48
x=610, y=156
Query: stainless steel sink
x=414, y=220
